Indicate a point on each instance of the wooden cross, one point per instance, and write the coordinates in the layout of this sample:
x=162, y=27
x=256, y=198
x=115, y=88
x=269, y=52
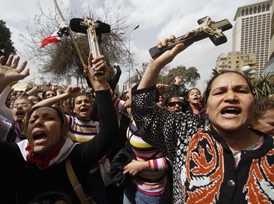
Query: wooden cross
x=208, y=28
x=93, y=30
x=92, y=36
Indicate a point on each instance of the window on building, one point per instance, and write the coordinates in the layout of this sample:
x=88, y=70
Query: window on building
x=263, y=8
x=267, y=7
x=259, y=8
x=250, y=10
x=255, y=10
x=243, y=12
x=246, y=11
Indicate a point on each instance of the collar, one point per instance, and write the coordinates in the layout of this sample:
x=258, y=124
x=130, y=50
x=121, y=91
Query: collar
x=57, y=155
x=257, y=153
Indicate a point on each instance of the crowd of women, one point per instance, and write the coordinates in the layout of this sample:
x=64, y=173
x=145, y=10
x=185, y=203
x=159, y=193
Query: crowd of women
x=218, y=149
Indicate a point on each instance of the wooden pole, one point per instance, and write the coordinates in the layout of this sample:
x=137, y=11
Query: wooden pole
x=70, y=35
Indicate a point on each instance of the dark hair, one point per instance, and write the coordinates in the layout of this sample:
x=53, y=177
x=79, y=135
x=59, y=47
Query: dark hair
x=168, y=99
x=208, y=88
x=156, y=94
x=81, y=94
x=44, y=93
x=187, y=95
x=35, y=95
x=59, y=112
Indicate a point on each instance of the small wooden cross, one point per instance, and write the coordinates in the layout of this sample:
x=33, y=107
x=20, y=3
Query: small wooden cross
x=208, y=28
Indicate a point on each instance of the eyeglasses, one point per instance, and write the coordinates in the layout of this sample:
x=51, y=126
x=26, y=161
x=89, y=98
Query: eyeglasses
x=23, y=105
x=174, y=103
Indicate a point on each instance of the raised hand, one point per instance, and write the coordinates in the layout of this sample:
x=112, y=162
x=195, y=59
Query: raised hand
x=10, y=73
x=156, y=64
x=72, y=91
x=168, y=55
x=99, y=82
x=178, y=80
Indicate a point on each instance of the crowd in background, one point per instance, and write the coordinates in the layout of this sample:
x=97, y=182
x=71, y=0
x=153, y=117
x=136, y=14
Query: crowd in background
x=154, y=133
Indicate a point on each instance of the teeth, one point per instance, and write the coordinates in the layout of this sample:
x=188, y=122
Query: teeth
x=39, y=135
x=231, y=110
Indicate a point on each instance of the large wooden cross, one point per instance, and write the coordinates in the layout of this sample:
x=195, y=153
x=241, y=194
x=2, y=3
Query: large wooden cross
x=208, y=28
x=94, y=30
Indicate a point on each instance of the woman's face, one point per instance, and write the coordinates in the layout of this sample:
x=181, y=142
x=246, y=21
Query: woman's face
x=230, y=104
x=82, y=107
x=175, y=104
x=160, y=101
x=20, y=108
x=50, y=94
x=34, y=99
x=129, y=96
x=44, y=130
x=194, y=96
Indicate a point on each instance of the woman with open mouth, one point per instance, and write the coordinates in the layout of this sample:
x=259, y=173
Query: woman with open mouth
x=36, y=167
x=82, y=129
x=193, y=100
x=227, y=162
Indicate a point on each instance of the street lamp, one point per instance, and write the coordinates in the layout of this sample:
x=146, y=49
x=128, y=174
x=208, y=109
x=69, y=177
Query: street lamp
x=248, y=71
x=130, y=63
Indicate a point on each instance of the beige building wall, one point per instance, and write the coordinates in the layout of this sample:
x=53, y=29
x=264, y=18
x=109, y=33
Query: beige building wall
x=251, y=32
x=235, y=61
x=272, y=33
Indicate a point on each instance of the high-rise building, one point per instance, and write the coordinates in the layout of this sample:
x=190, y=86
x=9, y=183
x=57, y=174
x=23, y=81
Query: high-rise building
x=236, y=61
x=251, y=32
x=272, y=33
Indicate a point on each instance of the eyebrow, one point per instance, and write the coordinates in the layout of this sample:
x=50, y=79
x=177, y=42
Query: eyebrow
x=43, y=115
x=234, y=87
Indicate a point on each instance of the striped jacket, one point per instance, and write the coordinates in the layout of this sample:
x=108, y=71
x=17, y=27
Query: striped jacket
x=154, y=181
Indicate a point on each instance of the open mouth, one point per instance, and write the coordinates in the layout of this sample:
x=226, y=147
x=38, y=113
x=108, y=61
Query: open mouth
x=39, y=135
x=20, y=113
x=231, y=110
x=84, y=110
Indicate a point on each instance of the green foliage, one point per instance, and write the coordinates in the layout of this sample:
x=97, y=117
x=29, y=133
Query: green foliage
x=189, y=76
x=263, y=86
x=6, y=45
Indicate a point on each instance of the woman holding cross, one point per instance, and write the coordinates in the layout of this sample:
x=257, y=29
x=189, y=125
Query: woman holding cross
x=224, y=163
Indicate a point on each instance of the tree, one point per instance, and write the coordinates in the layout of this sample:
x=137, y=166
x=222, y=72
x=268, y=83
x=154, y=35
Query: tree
x=6, y=45
x=189, y=76
x=263, y=87
x=60, y=59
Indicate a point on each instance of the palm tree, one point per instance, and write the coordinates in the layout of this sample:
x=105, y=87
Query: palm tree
x=263, y=86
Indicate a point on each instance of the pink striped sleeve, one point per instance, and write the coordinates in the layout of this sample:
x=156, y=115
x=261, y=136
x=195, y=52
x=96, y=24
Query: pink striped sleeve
x=119, y=104
x=157, y=164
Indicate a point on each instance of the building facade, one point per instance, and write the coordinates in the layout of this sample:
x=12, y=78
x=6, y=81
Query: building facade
x=236, y=61
x=251, y=32
x=272, y=33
